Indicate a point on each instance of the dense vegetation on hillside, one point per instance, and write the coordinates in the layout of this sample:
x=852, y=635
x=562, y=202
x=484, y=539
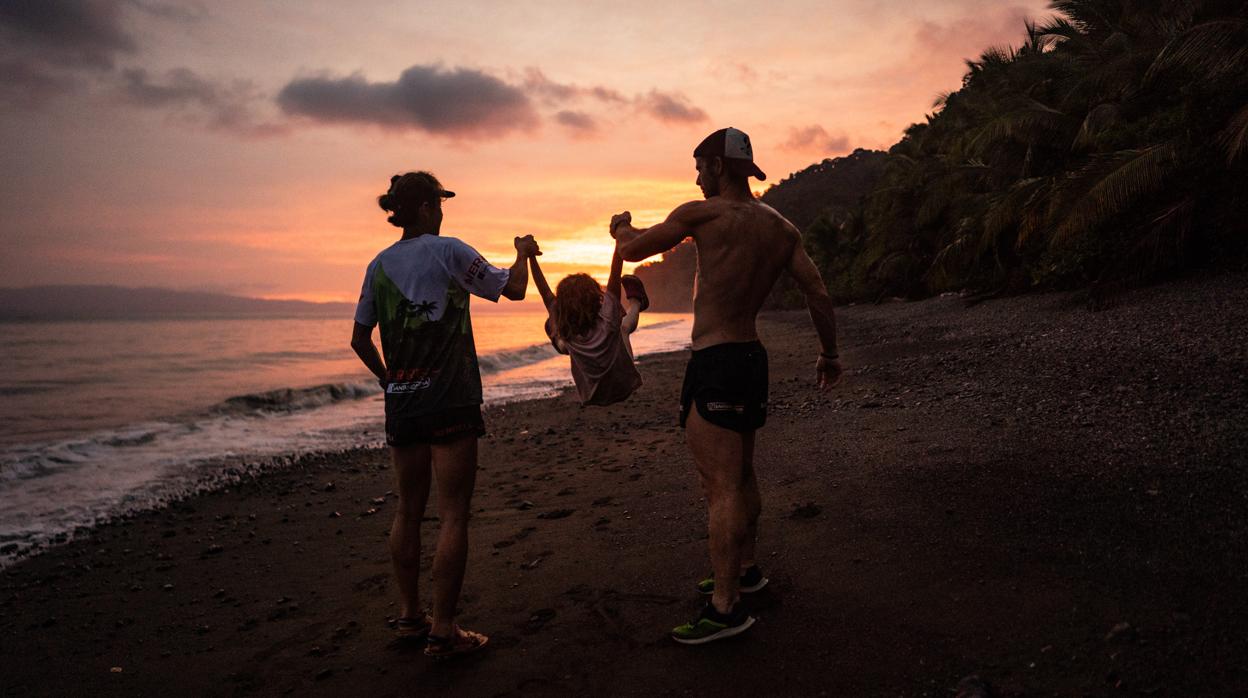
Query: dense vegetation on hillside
x=1109, y=148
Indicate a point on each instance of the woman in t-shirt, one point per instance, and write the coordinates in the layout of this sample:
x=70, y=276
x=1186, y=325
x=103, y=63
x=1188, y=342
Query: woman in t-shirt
x=417, y=290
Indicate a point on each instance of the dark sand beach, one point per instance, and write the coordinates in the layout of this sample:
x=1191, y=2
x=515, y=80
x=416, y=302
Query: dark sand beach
x=1053, y=498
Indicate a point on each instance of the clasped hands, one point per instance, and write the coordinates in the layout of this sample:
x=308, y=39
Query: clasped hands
x=619, y=219
x=526, y=246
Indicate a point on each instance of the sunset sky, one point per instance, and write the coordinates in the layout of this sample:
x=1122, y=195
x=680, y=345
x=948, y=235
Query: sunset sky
x=239, y=146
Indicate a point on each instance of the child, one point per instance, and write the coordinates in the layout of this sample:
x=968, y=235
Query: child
x=592, y=327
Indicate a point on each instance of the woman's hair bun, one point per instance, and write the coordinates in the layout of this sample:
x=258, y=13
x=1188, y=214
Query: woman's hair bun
x=406, y=193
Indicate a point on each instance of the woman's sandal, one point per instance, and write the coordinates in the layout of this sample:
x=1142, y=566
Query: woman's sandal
x=412, y=629
x=464, y=642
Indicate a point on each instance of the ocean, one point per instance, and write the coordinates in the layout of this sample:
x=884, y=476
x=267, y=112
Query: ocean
x=100, y=419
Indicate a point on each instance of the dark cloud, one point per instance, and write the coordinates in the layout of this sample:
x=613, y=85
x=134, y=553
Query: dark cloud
x=669, y=107
x=28, y=85
x=552, y=93
x=547, y=90
x=220, y=106
x=816, y=139
x=69, y=33
x=457, y=102
x=189, y=13
x=180, y=87
x=577, y=121
x=52, y=47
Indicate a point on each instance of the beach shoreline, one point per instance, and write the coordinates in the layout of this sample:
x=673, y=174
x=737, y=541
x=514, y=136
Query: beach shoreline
x=1046, y=496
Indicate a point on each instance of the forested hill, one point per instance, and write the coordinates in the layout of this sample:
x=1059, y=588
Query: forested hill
x=836, y=184
x=831, y=189
x=1109, y=147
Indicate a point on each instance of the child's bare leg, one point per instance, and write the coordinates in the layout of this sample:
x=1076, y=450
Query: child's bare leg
x=632, y=314
x=628, y=324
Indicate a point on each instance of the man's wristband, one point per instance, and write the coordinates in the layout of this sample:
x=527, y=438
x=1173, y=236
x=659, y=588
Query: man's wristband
x=829, y=357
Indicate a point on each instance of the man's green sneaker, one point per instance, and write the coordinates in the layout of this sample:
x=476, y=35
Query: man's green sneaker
x=711, y=625
x=748, y=583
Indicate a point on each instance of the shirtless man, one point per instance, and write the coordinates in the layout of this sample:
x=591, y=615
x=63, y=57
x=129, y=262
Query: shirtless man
x=743, y=246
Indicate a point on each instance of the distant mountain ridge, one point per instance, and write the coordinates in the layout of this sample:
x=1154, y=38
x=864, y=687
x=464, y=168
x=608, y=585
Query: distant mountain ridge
x=69, y=302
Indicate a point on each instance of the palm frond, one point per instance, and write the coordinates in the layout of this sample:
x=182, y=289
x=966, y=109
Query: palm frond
x=1213, y=49
x=1234, y=138
x=996, y=57
x=1120, y=179
x=1090, y=16
x=955, y=256
x=1023, y=124
x=1098, y=119
x=1034, y=210
x=1060, y=29
x=1015, y=214
x=1038, y=41
x=1175, y=223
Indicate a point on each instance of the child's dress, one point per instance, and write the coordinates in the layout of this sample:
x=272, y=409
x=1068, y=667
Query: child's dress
x=602, y=364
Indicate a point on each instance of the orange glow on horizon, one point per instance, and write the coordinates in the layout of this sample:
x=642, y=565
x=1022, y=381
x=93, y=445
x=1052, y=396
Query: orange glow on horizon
x=602, y=110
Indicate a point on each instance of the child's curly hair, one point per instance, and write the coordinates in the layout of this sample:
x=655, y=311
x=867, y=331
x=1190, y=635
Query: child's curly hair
x=578, y=298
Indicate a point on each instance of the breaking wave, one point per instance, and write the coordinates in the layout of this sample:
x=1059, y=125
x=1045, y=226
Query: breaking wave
x=515, y=358
x=290, y=399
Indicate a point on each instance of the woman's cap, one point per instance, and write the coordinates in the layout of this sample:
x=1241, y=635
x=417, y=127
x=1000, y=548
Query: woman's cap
x=417, y=186
x=731, y=143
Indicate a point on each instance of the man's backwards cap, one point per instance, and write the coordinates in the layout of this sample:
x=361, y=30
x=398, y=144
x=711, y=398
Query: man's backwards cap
x=731, y=143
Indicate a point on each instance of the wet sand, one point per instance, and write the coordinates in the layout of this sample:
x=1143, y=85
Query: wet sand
x=1053, y=498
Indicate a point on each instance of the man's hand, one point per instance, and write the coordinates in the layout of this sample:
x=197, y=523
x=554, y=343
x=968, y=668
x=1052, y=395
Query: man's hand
x=527, y=246
x=619, y=219
x=827, y=373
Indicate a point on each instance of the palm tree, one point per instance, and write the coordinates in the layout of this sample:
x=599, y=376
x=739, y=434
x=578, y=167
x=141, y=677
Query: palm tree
x=426, y=309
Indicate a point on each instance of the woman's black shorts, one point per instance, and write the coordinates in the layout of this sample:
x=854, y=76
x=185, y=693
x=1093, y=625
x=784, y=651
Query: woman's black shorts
x=437, y=428
x=728, y=383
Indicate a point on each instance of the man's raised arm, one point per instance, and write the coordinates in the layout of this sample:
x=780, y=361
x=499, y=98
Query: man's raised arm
x=822, y=314
x=636, y=244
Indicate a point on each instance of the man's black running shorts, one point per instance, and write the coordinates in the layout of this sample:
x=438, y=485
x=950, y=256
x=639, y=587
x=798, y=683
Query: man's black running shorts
x=728, y=383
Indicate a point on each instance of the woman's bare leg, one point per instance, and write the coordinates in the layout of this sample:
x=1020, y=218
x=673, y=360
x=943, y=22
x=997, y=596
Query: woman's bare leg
x=455, y=473
x=411, y=471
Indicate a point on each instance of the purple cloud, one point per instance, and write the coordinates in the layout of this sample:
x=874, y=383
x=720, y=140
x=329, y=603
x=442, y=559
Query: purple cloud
x=455, y=102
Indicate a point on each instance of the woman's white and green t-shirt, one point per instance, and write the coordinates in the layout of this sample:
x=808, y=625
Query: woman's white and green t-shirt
x=417, y=290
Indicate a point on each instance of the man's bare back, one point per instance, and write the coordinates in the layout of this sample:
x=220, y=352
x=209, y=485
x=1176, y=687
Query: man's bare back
x=743, y=246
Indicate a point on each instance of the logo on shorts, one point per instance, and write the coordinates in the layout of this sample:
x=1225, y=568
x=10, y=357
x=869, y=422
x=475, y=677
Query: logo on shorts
x=725, y=407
